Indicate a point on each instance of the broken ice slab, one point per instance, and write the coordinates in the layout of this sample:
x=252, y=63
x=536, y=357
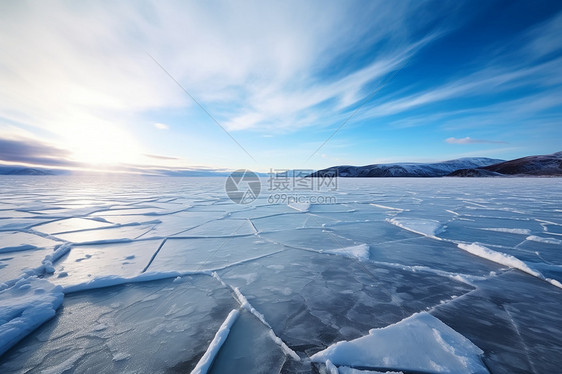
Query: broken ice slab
x=313, y=300
x=249, y=348
x=70, y=224
x=155, y=327
x=24, y=306
x=420, y=343
x=86, y=263
x=514, y=318
x=121, y=233
x=203, y=254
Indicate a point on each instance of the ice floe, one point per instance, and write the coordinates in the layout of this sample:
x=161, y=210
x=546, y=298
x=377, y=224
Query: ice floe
x=24, y=306
x=504, y=259
x=541, y=239
x=420, y=342
x=205, y=362
x=425, y=227
x=507, y=230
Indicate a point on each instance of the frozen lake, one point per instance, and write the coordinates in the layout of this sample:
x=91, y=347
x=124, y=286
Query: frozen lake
x=166, y=275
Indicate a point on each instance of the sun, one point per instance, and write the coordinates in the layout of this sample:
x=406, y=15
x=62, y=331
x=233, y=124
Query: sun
x=102, y=146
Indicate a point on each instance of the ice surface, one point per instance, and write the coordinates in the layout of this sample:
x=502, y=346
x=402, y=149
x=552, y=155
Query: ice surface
x=135, y=258
x=70, y=224
x=221, y=227
x=206, y=254
x=360, y=252
x=311, y=239
x=152, y=327
x=514, y=318
x=112, y=234
x=90, y=262
x=420, y=342
x=13, y=264
x=21, y=241
x=249, y=348
x=312, y=300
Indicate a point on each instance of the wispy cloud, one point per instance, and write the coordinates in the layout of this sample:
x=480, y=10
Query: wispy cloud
x=469, y=140
x=31, y=151
x=79, y=74
x=256, y=66
x=161, y=126
x=159, y=157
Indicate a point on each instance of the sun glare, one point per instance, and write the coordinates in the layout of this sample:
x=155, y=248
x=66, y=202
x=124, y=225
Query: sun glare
x=103, y=147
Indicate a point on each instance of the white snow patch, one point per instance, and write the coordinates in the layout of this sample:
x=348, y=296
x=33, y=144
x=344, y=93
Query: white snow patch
x=504, y=259
x=498, y=257
x=347, y=370
x=331, y=368
x=25, y=306
x=115, y=280
x=386, y=207
x=421, y=226
x=510, y=231
x=47, y=266
x=360, y=251
x=420, y=342
x=220, y=337
x=541, y=239
x=301, y=207
x=120, y=356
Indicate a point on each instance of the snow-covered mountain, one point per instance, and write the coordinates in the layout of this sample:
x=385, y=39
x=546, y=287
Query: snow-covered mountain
x=530, y=165
x=409, y=169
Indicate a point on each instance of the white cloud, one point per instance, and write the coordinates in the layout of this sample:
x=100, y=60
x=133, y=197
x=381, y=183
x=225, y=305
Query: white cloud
x=161, y=126
x=469, y=140
x=253, y=65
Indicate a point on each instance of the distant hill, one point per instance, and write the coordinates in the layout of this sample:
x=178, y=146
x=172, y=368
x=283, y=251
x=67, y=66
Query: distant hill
x=408, y=169
x=542, y=165
x=24, y=171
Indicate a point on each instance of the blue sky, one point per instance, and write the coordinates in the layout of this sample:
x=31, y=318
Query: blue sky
x=96, y=84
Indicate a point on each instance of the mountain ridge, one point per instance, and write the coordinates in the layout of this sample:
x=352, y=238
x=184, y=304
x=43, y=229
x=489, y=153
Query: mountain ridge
x=538, y=165
x=407, y=169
